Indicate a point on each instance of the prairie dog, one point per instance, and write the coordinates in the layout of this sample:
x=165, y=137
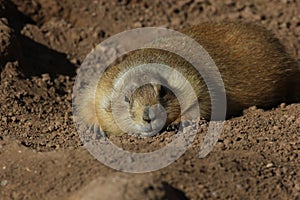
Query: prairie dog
x=254, y=67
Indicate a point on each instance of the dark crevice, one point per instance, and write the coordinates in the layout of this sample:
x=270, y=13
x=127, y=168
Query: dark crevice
x=173, y=193
x=35, y=58
x=39, y=59
x=16, y=19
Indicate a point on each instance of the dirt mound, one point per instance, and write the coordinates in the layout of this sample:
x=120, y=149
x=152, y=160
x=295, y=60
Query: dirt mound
x=43, y=43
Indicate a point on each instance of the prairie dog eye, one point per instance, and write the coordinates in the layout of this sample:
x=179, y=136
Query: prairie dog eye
x=163, y=91
x=127, y=100
x=158, y=89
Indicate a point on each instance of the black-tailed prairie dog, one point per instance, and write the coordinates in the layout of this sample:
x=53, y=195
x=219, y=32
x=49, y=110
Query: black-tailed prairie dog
x=255, y=68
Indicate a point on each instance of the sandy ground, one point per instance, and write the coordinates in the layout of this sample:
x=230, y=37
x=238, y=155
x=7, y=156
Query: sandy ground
x=43, y=43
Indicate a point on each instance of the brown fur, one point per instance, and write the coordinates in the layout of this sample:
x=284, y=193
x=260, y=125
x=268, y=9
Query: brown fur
x=254, y=67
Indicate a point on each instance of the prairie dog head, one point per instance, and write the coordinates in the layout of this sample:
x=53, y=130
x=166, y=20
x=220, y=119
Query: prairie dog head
x=152, y=107
x=142, y=100
x=142, y=97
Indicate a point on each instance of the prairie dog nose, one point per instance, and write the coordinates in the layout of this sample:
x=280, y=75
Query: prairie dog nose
x=146, y=115
x=154, y=113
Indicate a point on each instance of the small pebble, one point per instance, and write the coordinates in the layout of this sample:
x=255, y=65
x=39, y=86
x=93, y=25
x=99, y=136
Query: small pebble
x=253, y=108
x=298, y=121
x=283, y=105
x=297, y=186
x=45, y=77
x=4, y=119
x=270, y=165
x=4, y=182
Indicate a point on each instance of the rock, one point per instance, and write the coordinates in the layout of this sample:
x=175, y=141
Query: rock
x=127, y=187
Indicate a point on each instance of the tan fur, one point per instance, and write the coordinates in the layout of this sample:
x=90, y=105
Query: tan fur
x=254, y=67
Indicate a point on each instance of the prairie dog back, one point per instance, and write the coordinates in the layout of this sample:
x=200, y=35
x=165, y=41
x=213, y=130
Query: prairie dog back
x=255, y=69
